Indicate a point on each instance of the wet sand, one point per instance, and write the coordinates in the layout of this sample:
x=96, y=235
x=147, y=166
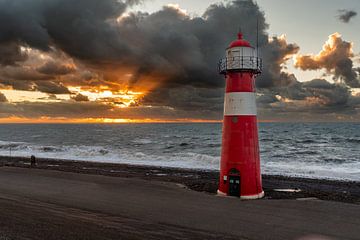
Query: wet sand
x=111, y=201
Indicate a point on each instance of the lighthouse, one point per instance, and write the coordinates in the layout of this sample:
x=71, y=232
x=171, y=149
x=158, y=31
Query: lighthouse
x=240, y=173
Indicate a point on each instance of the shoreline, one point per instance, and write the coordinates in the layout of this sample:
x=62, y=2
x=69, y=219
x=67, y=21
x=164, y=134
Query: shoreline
x=275, y=186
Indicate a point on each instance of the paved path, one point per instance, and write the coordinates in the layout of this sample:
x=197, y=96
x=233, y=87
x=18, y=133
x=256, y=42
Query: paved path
x=59, y=205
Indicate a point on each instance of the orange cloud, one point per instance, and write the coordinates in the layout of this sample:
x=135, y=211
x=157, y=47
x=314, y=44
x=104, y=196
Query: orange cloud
x=333, y=50
x=335, y=57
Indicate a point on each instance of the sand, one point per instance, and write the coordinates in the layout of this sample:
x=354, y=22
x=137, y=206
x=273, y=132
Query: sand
x=80, y=200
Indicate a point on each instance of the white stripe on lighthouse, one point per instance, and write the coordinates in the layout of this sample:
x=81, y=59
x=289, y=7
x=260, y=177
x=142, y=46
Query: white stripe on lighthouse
x=240, y=103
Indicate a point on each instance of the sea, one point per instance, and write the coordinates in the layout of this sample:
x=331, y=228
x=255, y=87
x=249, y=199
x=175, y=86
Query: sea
x=313, y=150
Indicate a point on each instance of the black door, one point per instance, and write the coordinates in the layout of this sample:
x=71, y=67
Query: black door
x=234, y=186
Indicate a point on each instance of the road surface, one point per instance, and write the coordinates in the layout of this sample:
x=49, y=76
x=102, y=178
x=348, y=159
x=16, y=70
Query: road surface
x=44, y=204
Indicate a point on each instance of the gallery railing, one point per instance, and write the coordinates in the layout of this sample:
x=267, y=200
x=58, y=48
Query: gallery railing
x=240, y=63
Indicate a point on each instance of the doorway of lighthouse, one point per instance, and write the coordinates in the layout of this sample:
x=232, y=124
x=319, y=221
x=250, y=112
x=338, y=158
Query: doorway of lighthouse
x=234, y=183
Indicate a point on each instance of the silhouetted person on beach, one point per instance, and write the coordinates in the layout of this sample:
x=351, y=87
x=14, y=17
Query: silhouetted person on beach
x=32, y=161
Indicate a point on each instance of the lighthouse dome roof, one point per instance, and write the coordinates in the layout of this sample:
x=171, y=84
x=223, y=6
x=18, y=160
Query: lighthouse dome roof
x=240, y=42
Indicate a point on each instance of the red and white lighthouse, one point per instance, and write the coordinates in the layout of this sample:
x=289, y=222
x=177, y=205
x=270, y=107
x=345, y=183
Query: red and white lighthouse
x=240, y=160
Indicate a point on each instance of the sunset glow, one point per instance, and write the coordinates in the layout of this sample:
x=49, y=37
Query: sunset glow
x=101, y=120
x=129, y=64
x=118, y=98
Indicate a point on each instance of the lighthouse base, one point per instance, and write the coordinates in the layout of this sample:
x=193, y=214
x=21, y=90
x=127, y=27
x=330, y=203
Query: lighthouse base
x=249, y=197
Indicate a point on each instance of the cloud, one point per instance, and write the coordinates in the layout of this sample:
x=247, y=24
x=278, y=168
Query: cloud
x=23, y=73
x=335, y=58
x=169, y=55
x=54, y=68
x=275, y=54
x=164, y=49
x=39, y=72
x=10, y=54
x=166, y=45
x=346, y=15
x=80, y=98
x=2, y=98
x=51, y=87
x=328, y=94
x=187, y=98
x=83, y=110
x=316, y=100
x=28, y=79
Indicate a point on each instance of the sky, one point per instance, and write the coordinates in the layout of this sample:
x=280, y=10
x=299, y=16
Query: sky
x=306, y=22
x=155, y=60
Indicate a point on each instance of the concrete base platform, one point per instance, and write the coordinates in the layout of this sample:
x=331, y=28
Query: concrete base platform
x=251, y=197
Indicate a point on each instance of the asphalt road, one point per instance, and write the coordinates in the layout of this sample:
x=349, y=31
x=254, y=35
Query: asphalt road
x=44, y=204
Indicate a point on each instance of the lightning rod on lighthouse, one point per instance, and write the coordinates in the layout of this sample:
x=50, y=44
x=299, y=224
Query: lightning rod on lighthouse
x=240, y=173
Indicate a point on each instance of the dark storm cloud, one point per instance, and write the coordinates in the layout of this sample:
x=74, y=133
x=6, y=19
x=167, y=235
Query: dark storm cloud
x=207, y=47
x=346, y=15
x=45, y=86
x=29, y=79
x=187, y=99
x=178, y=52
x=185, y=50
x=77, y=26
x=330, y=94
x=10, y=54
x=2, y=98
x=275, y=53
x=22, y=73
x=83, y=29
x=315, y=99
x=167, y=43
x=53, y=68
x=80, y=98
x=18, y=85
x=51, y=87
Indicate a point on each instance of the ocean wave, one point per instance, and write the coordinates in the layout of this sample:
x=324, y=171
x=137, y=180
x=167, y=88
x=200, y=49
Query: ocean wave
x=142, y=141
x=335, y=160
x=285, y=149
x=4, y=145
x=332, y=168
x=305, y=152
x=353, y=140
x=306, y=141
x=213, y=145
x=350, y=171
x=266, y=140
x=50, y=149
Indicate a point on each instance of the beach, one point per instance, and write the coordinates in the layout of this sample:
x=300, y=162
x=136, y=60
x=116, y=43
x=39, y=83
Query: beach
x=85, y=200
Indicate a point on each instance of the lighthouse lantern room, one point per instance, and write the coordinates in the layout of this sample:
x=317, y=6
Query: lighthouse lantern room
x=240, y=174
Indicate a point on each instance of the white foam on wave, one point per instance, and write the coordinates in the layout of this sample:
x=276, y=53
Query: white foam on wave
x=108, y=155
x=142, y=141
x=345, y=171
x=180, y=159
